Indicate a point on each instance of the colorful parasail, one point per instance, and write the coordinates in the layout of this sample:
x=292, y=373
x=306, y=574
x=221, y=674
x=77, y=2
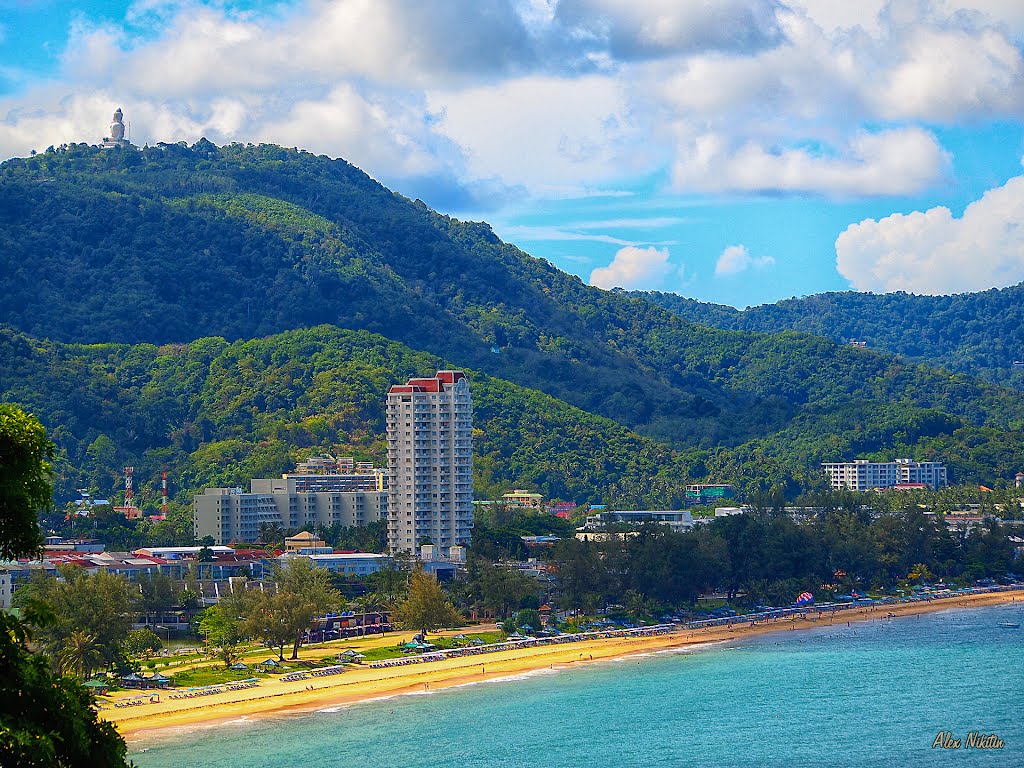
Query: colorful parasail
x=804, y=598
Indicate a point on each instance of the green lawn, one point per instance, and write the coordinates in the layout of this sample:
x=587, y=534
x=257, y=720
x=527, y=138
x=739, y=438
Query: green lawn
x=212, y=675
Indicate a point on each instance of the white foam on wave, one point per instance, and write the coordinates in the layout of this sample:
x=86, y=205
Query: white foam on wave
x=624, y=659
x=686, y=650
x=512, y=678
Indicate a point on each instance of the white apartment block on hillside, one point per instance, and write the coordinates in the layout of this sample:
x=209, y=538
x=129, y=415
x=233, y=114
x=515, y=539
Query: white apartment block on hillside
x=864, y=475
x=430, y=463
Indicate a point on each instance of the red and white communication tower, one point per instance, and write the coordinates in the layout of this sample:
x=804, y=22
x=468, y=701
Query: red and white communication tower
x=129, y=510
x=129, y=494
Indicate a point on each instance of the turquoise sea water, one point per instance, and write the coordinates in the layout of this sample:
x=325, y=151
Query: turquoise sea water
x=873, y=694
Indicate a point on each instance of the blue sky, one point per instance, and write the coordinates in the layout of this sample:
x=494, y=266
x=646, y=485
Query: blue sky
x=735, y=151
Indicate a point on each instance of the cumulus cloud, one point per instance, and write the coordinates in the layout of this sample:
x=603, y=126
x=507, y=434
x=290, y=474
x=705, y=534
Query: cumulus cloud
x=933, y=252
x=946, y=73
x=636, y=268
x=772, y=96
x=735, y=259
x=886, y=163
x=553, y=134
x=632, y=29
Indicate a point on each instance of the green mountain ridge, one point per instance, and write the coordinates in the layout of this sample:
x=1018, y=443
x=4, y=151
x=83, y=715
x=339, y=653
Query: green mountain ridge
x=150, y=255
x=981, y=334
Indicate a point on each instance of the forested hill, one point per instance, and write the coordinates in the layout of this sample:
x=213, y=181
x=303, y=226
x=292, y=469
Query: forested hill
x=172, y=243
x=214, y=413
x=980, y=334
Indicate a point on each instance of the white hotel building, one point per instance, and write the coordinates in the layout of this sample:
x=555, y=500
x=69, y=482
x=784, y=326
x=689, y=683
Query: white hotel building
x=430, y=463
x=290, y=502
x=864, y=475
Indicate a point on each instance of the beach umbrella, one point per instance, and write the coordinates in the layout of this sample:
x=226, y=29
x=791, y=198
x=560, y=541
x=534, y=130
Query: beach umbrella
x=239, y=665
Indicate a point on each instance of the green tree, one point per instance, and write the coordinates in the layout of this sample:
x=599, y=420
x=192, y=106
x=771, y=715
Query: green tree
x=426, y=606
x=273, y=619
x=310, y=593
x=80, y=655
x=221, y=626
x=188, y=598
x=99, y=604
x=389, y=586
x=582, y=575
x=25, y=490
x=48, y=721
x=45, y=720
x=303, y=593
x=158, y=592
x=504, y=589
x=529, y=619
x=141, y=642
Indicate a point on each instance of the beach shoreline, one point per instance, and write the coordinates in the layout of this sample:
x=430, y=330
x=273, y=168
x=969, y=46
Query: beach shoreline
x=275, y=698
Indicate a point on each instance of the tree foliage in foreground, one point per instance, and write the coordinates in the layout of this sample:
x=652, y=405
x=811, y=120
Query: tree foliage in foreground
x=25, y=488
x=46, y=720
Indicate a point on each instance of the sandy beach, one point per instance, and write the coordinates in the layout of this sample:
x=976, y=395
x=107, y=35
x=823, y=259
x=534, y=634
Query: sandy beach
x=361, y=683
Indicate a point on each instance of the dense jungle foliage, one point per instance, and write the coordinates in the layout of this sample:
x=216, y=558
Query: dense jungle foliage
x=981, y=334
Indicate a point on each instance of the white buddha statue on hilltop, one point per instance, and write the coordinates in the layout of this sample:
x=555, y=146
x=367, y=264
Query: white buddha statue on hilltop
x=117, y=127
x=116, y=137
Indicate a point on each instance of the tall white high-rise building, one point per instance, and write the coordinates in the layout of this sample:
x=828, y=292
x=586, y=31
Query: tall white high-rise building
x=430, y=463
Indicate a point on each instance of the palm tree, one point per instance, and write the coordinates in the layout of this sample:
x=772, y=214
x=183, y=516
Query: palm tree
x=80, y=655
x=388, y=586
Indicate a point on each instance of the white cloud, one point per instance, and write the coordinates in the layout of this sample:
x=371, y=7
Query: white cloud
x=544, y=132
x=519, y=233
x=554, y=98
x=389, y=137
x=636, y=269
x=648, y=28
x=735, y=259
x=933, y=252
x=887, y=163
x=947, y=73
